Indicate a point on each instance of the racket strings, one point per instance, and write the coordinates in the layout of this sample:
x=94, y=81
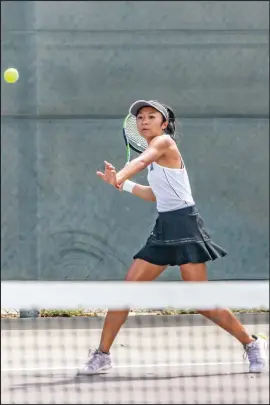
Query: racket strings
x=134, y=138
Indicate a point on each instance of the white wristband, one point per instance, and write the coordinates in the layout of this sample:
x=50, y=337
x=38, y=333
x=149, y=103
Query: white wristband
x=128, y=186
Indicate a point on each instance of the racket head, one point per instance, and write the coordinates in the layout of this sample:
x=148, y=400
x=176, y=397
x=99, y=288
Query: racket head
x=131, y=135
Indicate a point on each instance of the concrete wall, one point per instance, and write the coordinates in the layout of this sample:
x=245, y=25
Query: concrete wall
x=80, y=69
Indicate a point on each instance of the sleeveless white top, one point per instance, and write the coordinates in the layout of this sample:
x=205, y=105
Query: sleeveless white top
x=170, y=186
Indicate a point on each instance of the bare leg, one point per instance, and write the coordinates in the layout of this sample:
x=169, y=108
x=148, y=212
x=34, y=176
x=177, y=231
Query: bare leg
x=222, y=317
x=140, y=270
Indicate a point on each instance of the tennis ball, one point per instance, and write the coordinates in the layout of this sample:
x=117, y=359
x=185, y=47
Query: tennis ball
x=262, y=335
x=11, y=75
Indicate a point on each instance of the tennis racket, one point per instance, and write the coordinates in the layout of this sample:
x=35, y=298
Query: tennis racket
x=133, y=139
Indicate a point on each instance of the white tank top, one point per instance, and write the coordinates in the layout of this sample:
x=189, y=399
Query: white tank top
x=170, y=186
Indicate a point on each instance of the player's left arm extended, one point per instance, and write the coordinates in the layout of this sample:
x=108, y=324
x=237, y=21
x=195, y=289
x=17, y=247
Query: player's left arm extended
x=155, y=150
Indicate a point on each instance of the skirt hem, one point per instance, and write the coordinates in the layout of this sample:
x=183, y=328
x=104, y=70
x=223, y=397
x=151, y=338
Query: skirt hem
x=179, y=255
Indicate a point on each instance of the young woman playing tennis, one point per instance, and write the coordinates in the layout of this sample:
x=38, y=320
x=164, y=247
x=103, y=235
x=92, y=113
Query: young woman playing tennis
x=179, y=236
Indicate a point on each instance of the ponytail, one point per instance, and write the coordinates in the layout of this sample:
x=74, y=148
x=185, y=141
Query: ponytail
x=170, y=129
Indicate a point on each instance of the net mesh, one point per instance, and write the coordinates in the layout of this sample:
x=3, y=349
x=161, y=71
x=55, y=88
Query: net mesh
x=164, y=353
x=136, y=141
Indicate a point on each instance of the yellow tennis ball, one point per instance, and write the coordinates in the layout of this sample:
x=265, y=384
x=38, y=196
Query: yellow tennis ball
x=11, y=75
x=262, y=335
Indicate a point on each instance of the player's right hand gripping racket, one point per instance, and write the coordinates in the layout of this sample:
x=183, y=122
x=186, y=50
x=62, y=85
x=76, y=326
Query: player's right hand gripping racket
x=133, y=139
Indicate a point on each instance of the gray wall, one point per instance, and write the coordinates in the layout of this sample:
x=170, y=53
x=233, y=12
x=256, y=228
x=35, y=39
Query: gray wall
x=81, y=66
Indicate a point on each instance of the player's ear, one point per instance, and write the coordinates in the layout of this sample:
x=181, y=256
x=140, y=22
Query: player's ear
x=165, y=124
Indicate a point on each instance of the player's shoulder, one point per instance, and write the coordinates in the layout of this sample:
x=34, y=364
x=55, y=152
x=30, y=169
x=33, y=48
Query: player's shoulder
x=162, y=141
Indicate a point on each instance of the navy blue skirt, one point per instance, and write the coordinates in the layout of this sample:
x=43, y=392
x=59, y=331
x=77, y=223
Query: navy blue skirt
x=180, y=237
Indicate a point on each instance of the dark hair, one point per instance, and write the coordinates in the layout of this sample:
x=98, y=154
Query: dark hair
x=170, y=129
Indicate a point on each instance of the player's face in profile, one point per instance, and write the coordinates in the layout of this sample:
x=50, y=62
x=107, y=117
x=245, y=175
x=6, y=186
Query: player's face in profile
x=150, y=123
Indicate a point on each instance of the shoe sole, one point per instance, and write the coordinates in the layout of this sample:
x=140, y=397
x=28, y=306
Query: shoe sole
x=105, y=368
x=258, y=371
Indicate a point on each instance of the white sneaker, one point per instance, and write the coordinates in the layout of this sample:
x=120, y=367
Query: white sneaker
x=257, y=354
x=97, y=362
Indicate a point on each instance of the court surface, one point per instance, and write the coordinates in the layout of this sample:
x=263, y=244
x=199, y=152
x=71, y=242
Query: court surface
x=161, y=364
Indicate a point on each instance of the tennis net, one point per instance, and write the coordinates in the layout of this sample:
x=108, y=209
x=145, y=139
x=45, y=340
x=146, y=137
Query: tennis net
x=164, y=353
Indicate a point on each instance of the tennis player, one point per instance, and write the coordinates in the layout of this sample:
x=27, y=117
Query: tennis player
x=179, y=236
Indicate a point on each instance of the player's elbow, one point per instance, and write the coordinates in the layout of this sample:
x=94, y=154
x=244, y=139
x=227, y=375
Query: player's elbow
x=152, y=196
x=142, y=163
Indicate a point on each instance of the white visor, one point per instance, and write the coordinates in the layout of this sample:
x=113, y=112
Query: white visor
x=135, y=107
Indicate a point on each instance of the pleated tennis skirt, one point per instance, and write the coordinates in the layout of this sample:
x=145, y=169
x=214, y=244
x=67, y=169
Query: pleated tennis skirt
x=180, y=237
